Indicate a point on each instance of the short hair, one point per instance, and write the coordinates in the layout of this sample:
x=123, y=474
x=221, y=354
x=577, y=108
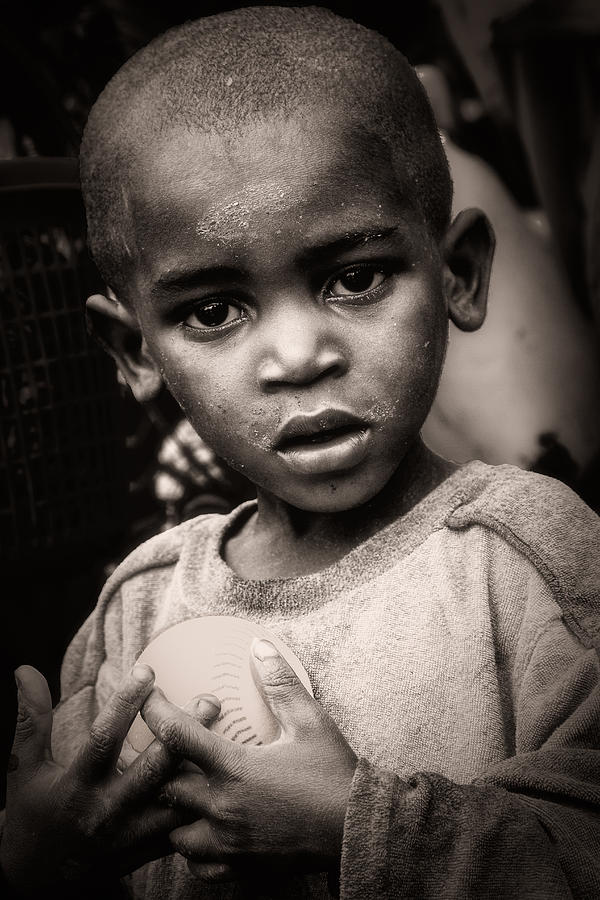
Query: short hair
x=221, y=72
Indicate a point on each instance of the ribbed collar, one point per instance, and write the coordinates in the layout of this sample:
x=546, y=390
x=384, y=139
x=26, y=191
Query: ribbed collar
x=206, y=577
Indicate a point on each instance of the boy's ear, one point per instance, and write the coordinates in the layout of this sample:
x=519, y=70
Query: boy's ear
x=468, y=250
x=117, y=329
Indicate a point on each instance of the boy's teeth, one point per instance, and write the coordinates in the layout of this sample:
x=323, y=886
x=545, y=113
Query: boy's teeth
x=322, y=437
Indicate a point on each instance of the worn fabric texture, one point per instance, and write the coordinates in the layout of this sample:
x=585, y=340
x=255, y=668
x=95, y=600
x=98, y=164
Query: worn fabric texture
x=456, y=651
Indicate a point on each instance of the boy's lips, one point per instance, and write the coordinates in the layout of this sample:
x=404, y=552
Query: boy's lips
x=327, y=441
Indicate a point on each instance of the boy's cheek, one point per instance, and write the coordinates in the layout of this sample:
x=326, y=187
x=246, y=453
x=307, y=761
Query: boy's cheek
x=232, y=431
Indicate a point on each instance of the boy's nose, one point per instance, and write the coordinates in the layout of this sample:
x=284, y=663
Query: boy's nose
x=299, y=351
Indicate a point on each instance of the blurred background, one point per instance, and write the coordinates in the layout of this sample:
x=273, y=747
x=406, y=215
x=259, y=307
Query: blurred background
x=86, y=473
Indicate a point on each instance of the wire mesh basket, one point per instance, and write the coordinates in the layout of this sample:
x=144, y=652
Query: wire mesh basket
x=62, y=473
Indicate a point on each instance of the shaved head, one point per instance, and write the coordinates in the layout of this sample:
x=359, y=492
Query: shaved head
x=220, y=74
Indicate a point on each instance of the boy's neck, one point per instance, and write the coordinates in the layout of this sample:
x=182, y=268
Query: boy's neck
x=280, y=541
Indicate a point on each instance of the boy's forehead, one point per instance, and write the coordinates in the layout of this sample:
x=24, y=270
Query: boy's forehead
x=274, y=169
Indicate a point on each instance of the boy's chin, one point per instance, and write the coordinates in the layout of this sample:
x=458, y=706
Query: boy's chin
x=334, y=496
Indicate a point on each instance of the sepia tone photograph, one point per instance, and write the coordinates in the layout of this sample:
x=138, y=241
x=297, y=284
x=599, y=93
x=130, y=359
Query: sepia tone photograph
x=300, y=450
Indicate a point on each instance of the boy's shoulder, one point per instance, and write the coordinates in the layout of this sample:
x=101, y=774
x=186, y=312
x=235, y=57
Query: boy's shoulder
x=163, y=551
x=551, y=526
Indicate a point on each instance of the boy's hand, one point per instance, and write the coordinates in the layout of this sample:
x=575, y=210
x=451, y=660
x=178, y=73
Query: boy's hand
x=279, y=806
x=84, y=823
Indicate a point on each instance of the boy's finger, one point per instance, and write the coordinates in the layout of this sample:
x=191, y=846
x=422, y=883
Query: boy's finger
x=156, y=820
x=33, y=729
x=189, y=791
x=157, y=763
x=100, y=752
x=178, y=731
x=145, y=837
x=212, y=873
x=283, y=692
x=198, y=843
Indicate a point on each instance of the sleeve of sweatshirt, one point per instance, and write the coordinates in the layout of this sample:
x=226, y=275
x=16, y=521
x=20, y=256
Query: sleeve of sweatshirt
x=530, y=826
x=88, y=678
x=107, y=644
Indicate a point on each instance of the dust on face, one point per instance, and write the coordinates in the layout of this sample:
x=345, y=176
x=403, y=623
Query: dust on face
x=287, y=275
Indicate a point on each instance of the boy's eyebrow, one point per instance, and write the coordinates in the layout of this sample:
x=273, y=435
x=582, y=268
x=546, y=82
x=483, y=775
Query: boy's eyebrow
x=348, y=242
x=183, y=279
x=179, y=280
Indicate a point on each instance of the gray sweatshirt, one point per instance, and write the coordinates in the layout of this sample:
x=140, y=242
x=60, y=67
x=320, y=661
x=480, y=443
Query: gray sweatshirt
x=456, y=650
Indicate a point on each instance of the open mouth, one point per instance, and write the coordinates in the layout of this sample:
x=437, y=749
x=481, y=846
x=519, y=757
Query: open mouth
x=326, y=442
x=324, y=436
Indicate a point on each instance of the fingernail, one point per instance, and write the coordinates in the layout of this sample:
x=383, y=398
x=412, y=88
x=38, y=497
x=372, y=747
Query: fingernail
x=264, y=651
x=20, y=686
x=26, y=694
x=142, y=673
x=208, y=706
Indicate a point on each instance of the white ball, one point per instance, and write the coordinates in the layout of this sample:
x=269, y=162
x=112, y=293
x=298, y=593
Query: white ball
x=211, y=655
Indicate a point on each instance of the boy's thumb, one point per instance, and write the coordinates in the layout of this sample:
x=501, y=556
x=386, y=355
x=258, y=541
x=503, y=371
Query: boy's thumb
x=33, y=730
x=281, y=689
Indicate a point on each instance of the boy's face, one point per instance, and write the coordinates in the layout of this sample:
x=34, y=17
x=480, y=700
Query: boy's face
x=291, y=296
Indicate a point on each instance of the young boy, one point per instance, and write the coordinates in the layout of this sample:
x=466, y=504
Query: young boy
x=269, y=202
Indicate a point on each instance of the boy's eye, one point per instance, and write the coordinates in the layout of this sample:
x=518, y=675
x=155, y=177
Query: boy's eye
x=356, y=281
x=212, y=314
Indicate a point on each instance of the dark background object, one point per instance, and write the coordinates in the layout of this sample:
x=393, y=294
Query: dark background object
x=63, y=482
x=549, y=56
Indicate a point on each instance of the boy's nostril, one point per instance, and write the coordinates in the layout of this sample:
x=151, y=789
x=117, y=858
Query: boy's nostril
x=334, y=370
